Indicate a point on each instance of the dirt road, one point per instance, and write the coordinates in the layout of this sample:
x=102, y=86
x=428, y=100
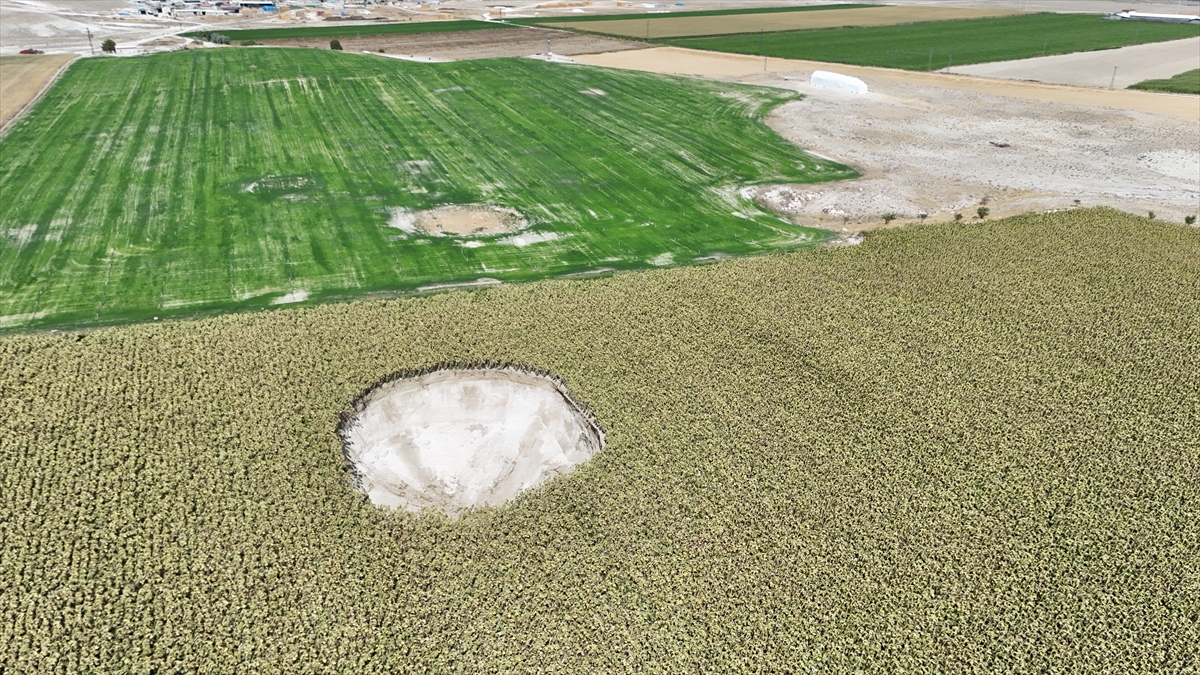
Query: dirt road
x=675, y=60
x=23, y=79
x=1116, y=67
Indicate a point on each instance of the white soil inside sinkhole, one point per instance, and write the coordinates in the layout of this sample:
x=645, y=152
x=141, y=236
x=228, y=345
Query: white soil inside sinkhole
x=459, y=220
x=455, y=439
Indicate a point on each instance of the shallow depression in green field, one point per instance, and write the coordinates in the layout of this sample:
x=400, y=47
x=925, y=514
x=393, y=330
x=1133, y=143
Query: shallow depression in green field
x=236, y=178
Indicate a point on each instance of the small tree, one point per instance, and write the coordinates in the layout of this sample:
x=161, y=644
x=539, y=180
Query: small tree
x=983, y=212
x=335, y=45
x=1152, y=215
x=957, y=217
x=109, y=46
x=922, y=216
x=1190, y=220
x=889, y=217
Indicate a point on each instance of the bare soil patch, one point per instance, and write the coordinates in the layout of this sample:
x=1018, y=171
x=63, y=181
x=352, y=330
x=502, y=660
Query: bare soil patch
x=1160, y=60
x=659, y=27
x=455, y=439
x=23, y=80
x=482, y=44
x=460, y=220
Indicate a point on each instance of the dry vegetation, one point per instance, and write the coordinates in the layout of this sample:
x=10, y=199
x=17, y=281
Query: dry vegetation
x=23, y=78
x=949, y=449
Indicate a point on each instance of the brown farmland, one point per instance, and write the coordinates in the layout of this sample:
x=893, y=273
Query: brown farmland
x=23, y=79
x=669, y=27
x=477, y=44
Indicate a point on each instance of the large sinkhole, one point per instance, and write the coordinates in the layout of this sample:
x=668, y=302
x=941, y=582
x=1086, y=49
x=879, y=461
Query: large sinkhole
x=456, y=438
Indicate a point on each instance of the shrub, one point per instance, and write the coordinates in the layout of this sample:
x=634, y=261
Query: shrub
x=109, y=46
x=957, y=217
x=983, y=212
x=1190, y=220
x=889, y=217
x=335, y=44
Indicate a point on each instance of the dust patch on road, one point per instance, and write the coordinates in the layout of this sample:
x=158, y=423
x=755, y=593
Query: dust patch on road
x=23, y=80
x=655, y=27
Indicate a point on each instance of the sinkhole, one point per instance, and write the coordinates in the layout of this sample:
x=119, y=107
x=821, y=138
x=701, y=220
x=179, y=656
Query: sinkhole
x=456, y=438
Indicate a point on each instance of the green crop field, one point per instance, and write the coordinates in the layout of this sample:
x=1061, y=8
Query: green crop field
x=679, y=15
x=938, y=44
x=1183, y=83
x=341, y=30
x=950, y=449
x=217, y=180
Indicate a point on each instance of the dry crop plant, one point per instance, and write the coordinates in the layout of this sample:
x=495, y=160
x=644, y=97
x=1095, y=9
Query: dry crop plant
x=947, y=449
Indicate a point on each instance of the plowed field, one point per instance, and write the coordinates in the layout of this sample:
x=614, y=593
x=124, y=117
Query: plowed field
x=22, y=78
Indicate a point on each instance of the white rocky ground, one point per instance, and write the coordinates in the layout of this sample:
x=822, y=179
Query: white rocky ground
x=939, y=152
x=454, y=439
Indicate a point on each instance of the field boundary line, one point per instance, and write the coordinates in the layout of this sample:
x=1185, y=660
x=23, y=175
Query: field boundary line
x=24, y=109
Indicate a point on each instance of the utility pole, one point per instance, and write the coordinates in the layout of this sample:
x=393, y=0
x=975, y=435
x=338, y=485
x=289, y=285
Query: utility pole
x=1045, y=41
x=1113, y=81
x=91, y=47
x=647, y=29
x=930, y=66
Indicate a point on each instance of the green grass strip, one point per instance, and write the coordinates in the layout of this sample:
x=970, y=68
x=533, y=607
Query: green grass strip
x=1183, y=83
x=681, y=15
x=224, y=179
x=340, y=31
x=938, y=44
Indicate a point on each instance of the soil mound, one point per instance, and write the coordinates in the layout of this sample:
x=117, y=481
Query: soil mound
x=454, y=439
